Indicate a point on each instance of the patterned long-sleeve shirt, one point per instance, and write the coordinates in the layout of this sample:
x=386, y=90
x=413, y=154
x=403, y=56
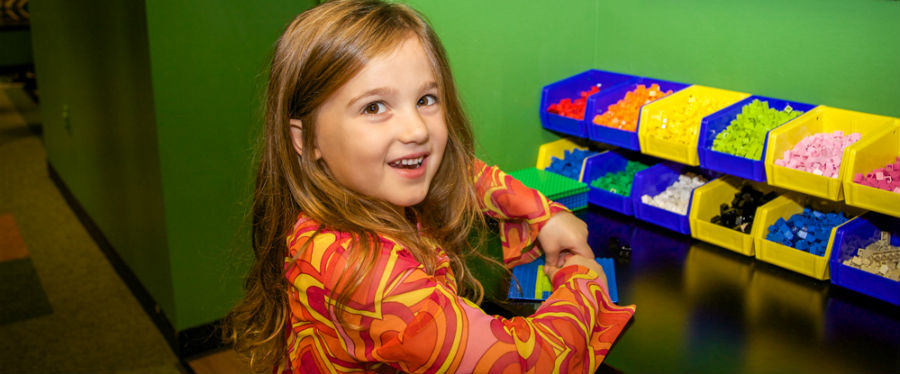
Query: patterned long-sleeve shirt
x=403, y=318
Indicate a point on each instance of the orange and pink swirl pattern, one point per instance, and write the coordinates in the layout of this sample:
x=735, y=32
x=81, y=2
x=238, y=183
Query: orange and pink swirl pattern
x=404, y=319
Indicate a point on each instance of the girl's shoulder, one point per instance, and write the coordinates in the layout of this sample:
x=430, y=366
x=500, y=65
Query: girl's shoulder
x=323, y=237
x=306, y=229
x=325, y=254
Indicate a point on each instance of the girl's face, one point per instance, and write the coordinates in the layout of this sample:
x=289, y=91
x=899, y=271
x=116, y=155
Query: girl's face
x=382, y=134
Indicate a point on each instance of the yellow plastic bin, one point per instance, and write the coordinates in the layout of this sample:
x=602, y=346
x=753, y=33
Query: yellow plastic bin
x=822, y=119
x=880, y=149
x=789, y=258
x=558, y=148
x=650, y=130
x=705, y=206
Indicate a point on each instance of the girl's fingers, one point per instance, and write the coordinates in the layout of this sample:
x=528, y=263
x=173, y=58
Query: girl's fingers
x=550, y=270
x=563, y=257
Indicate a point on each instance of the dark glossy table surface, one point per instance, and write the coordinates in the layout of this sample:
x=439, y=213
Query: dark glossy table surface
x=702, y=308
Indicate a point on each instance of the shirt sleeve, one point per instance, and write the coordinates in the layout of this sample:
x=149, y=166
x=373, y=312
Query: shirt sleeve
x=409, y=320
x=520, y=211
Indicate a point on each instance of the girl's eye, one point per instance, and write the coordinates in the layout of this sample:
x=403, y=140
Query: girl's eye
x=427, y=100
x=375, y=108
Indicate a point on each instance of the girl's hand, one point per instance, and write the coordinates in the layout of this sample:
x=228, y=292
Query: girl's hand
x=563, y=235
x=589, y=263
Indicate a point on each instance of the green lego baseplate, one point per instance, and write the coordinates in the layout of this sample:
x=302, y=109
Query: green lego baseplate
x=552, y=185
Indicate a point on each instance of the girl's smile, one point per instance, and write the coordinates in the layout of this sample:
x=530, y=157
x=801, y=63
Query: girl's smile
x=382, y=134
x=410, y=166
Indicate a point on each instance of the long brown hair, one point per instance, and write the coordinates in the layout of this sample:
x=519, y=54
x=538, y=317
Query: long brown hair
x=320, y=51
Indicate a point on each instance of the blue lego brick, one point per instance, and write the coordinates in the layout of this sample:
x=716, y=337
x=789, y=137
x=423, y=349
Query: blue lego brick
x=808, y=231
x=570, y=165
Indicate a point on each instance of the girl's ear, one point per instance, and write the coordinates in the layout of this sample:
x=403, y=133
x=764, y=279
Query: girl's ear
x=297, y=138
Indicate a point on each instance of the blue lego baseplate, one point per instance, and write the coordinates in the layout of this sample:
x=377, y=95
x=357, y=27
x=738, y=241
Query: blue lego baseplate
x=535, y=285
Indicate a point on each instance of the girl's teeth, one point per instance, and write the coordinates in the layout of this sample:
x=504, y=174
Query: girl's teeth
x=415, y=162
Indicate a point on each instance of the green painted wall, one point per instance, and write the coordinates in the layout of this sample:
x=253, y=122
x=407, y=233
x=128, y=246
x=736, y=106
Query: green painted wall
x=842, y=53
x=209, y=63
x=93, y=70
x=149, y=115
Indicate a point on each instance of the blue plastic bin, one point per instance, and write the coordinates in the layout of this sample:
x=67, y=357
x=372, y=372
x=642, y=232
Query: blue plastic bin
x=611, y=162
x=655, y=180
x=726, y=163
x=855, y=234
x=598, y=103
x=570, y=88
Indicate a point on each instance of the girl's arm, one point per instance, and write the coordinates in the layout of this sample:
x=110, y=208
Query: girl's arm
x=521, y=211
x=415, y=322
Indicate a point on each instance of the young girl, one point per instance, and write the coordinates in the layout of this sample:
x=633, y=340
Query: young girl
x=366, y=193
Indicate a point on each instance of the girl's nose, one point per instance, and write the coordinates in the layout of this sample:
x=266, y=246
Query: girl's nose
x=413, y=128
